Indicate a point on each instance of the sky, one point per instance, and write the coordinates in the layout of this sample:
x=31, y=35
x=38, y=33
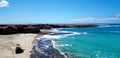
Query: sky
x=59, y=11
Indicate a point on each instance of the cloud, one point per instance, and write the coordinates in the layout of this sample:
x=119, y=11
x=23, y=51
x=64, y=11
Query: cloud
x=118, y=15
x=4, y=3
x=110, y=19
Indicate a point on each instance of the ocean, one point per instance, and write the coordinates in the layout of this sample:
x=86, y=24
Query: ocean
x=97, y=42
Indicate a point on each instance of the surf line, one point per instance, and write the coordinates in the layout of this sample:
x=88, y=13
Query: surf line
x=45, y=46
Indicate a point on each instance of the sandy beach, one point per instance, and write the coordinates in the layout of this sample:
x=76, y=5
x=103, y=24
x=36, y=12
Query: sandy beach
x=8, y=45
x=23, y=39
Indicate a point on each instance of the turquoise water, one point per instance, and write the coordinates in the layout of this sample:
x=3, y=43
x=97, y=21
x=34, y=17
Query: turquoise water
x=100, y=42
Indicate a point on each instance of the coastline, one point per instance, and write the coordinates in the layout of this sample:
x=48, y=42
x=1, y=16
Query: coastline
x=8, y=45
x=29, y=43
x=43, y=48
x=25, y=36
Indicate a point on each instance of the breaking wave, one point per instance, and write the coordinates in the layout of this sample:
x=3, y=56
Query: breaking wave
x=54, y=34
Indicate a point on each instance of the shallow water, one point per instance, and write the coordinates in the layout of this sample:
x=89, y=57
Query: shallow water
x=100, y=42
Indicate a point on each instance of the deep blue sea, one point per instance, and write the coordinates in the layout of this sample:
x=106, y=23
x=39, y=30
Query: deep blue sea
x=98, y=42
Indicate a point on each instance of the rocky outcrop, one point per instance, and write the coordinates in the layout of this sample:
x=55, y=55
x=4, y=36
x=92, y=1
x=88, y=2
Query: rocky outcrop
x=35, y=28
x=14, y=29
x=44, y=49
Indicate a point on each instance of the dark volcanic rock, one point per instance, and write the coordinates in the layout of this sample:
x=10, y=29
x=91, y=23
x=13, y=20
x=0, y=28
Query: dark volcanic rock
x=35, y=28
x=37, y=54
x=13, y=29
x=18, y=50
x=31, y=30
x=46, y=50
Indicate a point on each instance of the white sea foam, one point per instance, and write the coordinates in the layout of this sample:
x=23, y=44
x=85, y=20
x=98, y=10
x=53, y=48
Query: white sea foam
x=76, y=33
x=54, y=45
x=57, y=31
x=54, y=30
x=69, y=32
x=53, y=42
x=60, y=34
x=51, y=36
x=62, y=45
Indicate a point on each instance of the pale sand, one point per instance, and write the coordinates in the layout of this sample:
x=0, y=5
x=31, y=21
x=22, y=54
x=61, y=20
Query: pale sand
x=8, y=45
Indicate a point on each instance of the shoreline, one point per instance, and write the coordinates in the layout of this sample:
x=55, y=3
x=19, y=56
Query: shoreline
x=29, y=43
x=23, y=33
x=47, y=44
x=46, y=50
